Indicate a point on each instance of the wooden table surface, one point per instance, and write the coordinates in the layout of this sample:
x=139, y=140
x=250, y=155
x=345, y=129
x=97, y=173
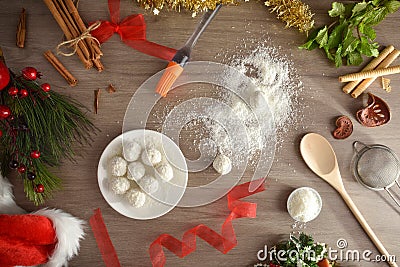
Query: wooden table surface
x=233, y=28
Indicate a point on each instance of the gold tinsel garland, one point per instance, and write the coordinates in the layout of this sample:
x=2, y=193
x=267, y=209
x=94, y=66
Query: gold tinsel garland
x=293, y=12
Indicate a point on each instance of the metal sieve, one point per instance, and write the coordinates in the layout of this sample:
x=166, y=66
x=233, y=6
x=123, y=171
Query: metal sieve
x=377, y=167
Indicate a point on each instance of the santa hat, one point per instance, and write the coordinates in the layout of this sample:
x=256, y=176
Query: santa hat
x=47, y=236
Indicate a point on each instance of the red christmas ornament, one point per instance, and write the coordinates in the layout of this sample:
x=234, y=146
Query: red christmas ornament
x=5, y=112
x=45, y=87
x=13, y=91
x=21, y=168
x=35, y=154
x=1, y=133
x=39, y=188
x=30, y=73
x=4, y=75
x=23, y=93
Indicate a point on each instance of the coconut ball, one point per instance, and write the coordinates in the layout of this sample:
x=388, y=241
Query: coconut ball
x=136, y=171
x=149, y=184
x=136, y=198
x=165, y=171
x=132, y=151
x=120, y=185
x=118, y=166
x=222, y=164
x=151, y=156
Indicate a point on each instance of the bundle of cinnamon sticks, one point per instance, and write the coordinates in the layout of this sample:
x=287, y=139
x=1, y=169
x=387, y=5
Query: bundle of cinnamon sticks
x=70, y=22
x=378, y=67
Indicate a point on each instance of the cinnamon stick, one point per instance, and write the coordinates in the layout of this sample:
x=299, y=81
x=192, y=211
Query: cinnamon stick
x=73, y=28
x=96, y=100
x=72, y=81
x=59, y=19
x=21, y=29
x=93, y=45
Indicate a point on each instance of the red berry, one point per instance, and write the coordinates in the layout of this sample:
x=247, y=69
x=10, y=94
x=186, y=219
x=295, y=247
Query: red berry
x=13, y=91
x=45, y=87
x=4, y=75
x=21, y=168
x=35, y=154
x=30, y=73
x=1, y=133
x=39, y=188
x=23, y=93
x=5, y=112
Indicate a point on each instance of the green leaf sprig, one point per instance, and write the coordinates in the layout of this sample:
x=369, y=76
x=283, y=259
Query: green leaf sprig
x=299, y=251
x=352, y=34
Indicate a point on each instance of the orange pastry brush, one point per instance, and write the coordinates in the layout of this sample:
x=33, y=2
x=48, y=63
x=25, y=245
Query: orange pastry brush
x=182, y=56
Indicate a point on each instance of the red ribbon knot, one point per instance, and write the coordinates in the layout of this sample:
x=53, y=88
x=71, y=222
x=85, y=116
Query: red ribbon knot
x=132, y=31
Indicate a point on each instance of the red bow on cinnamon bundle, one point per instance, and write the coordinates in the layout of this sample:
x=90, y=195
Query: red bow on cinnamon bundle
x=132, y=30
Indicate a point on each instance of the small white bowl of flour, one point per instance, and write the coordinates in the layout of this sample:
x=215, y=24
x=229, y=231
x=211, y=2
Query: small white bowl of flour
x=304, y=204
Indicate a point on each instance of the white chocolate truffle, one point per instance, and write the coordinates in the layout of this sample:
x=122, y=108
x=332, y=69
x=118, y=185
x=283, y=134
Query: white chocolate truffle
x=136, y=171
x=132, y=151
x=165, y=171
x=136, y=198
x=118, y=166
x=149, y=184
x=151, y=156
x=120, y=185
x=222, y=164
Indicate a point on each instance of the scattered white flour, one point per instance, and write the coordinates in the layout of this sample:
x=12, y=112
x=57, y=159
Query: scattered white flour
x=274, y=76
x=304, y=204
x=233, y=130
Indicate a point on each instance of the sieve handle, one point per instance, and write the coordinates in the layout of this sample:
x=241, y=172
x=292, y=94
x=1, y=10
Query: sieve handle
x=392, y=196
x=360, y=218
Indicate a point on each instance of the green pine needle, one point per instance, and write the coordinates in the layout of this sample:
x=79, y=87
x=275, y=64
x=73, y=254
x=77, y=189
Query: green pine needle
x=54, y=122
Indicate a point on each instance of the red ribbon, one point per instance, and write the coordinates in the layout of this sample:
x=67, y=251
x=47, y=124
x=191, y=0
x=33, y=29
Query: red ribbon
x=132, y=30
x=222, y=242
x=103, y=240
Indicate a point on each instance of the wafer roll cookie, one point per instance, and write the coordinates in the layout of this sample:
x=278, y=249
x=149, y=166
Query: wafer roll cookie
x=370, y=66
x=383, y=66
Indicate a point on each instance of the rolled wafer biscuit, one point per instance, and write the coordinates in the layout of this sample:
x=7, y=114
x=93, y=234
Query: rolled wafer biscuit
x=370, y=66
x=381, y=67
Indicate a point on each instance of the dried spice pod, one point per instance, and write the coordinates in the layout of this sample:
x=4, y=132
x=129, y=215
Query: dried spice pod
x=344, y=128
x=376, y=113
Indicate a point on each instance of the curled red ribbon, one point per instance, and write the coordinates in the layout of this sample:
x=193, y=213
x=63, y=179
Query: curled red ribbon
x=103, y=240
x=223, y=242
x=132, y=31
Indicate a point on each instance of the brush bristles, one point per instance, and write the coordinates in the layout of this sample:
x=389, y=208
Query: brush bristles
x=171, y=73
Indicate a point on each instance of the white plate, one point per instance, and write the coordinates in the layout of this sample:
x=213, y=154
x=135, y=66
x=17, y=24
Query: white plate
x=169, y=194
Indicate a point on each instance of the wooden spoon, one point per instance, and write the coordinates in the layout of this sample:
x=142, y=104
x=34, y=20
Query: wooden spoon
x=321, y=159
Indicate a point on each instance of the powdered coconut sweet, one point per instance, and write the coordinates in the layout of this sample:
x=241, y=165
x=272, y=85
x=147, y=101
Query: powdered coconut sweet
x=136, y=171
x=149, y=184
x=120, y=185
x=118, y=166
x=164, y=171
x=151, y=156
x=136, y=197
x=132, y=151
x=222, y=164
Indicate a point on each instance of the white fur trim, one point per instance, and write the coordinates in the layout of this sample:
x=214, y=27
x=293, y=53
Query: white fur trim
x=69, y=231
x=7, y=203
